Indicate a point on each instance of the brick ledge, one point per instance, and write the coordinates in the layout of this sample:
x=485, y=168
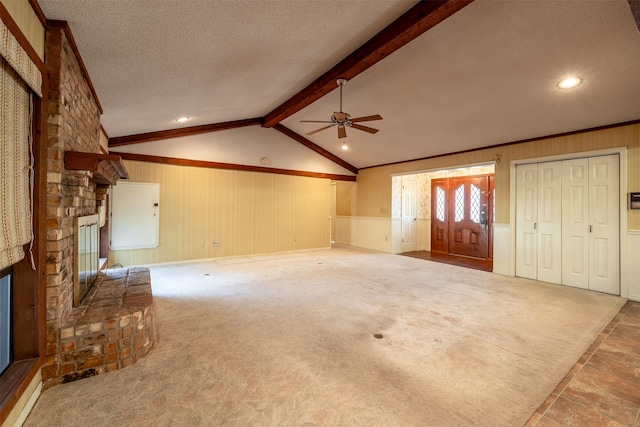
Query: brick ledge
x=111, y=329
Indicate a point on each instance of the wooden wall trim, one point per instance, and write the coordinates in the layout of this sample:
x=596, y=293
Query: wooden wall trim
x=489, y=147
x=229, y=166
x=23, y=41
x=304, y=141
x=39, y=13
x=176, y=133
x=19, y=375
x=41, y=138
x=417, y=20
x=104, y=132
x=64, y=26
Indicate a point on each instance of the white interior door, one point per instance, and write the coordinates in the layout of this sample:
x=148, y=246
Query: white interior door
x=604, y=224
x=549, y=225
x=575, y=223
x=526, y=221
x=409, y=215
x=134, y=215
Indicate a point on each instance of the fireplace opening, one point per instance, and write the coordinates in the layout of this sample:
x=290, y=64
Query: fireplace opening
x=87, y=251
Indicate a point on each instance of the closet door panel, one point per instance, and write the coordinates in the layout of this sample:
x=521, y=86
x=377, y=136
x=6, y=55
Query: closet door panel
x=575, y=224
x=604, y=218
x=550, y=222
x=526, y=221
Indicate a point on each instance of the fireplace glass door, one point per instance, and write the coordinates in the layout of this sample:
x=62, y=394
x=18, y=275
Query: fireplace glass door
x=87, y=253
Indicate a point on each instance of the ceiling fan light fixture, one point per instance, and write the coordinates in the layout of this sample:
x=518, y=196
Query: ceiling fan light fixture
x=342, y=120
x=569, y=82
x=344, y=146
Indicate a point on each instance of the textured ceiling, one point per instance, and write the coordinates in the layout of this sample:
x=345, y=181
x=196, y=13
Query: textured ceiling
x=485, y=76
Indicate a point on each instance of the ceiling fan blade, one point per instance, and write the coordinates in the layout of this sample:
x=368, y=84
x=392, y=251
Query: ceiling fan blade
x=342, y=132
x=318, y=130
x=316, y=121
x=364, y=128
x=367, y=118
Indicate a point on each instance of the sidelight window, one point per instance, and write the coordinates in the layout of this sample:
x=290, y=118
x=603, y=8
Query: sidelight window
x=440, y=204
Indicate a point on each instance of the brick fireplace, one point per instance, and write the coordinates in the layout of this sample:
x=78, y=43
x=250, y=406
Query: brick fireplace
x=84, y=340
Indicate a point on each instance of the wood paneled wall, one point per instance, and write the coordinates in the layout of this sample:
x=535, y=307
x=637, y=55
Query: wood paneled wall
x=246, y=212
x=373, y=196
x=345, y=198
x=25, y=17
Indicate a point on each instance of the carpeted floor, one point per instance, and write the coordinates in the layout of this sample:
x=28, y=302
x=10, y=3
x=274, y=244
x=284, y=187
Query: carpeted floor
x=290, y=340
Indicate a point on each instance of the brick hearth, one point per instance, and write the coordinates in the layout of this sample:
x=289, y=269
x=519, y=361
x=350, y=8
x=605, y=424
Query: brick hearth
x=112, y=328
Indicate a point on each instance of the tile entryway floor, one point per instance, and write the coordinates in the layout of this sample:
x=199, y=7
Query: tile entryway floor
x=603, y=388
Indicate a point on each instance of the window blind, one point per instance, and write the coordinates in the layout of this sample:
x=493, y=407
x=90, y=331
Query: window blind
x=15, y=170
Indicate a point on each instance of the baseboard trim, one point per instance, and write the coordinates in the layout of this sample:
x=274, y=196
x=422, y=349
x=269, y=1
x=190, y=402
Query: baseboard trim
x=25, y=404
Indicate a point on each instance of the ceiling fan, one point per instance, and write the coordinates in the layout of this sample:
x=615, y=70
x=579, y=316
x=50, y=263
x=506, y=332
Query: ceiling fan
x=343, y=120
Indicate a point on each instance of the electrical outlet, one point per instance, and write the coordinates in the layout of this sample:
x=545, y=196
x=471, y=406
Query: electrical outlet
x=216, y=243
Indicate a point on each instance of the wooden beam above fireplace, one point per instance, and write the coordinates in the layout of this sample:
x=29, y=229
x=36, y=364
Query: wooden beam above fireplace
x=107, y=169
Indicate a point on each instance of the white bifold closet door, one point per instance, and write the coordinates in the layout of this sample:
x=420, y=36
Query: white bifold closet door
x=567, y=222
x=590, y=224
x=539, y=208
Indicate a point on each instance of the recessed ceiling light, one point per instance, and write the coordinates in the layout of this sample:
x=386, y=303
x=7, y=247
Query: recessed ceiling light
x=569, y=82
x=344, y=146
x=182, y=119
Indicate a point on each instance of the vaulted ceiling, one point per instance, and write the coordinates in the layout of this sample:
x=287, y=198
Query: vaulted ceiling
x=472, y=74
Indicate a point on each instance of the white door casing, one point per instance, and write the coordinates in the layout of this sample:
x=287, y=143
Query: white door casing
x=409, y=215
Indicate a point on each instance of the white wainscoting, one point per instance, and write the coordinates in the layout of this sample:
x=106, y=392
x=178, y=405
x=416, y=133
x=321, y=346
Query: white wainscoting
x=502, y=249
x=396, y=235
x=366, y=232
x=424, y=234
x=633, y=278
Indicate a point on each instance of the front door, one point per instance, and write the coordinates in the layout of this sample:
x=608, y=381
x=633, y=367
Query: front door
x=468, y=216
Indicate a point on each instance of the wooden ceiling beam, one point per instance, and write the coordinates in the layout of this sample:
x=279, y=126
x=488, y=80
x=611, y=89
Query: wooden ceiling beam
x=231, y=166
x=324, y=153
x=176, y=133
x=413, y=23
x=635, y=11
